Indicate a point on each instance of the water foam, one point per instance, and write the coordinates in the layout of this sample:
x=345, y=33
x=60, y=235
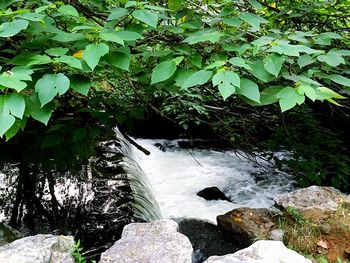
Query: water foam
x=178, y=174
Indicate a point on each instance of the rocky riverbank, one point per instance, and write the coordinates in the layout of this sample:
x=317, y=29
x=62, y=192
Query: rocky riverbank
x=314, y=220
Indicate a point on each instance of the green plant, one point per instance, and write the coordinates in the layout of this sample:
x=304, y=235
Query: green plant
x=78, y=258
x=235, y=49
x=77, y=253
x=296, y=215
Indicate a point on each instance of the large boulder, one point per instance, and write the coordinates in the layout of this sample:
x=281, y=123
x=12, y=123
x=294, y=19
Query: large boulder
x=263, y=251
x=38, y=249
x=314, y=202
x=155, y=242
x=213, y=193
x=248, y=224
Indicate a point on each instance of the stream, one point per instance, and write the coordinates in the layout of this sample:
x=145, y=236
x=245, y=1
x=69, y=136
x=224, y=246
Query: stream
x=177, y=174
x=119, y=184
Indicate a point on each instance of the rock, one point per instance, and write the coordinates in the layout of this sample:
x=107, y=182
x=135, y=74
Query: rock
x=213, y=193
x=314, y=202
x=155, y=242
x=263, y=251
x=248, y=224
x=277, y=235
x=38, y=249
x=207, y=239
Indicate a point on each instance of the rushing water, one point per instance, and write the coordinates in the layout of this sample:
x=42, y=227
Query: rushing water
x=177, y=174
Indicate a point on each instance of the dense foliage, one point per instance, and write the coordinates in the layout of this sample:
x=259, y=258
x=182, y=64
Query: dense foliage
x=215, y=64
x=260, y=52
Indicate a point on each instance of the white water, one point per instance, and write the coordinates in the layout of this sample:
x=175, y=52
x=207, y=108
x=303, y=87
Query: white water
x=178, y=174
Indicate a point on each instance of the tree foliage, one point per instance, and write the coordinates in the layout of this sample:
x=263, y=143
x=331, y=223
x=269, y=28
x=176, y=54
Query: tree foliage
x=262, y=52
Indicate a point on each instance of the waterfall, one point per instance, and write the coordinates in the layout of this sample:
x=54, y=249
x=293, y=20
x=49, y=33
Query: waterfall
x=145, y=205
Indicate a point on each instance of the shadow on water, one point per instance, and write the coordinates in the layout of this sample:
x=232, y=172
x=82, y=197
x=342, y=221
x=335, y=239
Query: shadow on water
x=56, y=190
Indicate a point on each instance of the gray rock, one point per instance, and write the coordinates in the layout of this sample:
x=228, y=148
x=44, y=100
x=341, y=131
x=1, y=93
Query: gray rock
x=263, y=251
x=314, y=202
x=155, y=242
x=277, y=235
x=38, y=249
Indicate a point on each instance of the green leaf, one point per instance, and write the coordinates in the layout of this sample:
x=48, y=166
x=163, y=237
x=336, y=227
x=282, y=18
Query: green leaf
x=182, y=75
x=285, y=49
x=111, y=35
x=146, y=17
x=163, y=71
x=10, y=133
x=235, y=22
x=38, y=113
x=12, y=81
x=305, y=60
x=178, y=60
x=307, y=90
x=326, y=93
x=258, y=70
x=70, y=61
x=239, y=62
x=227, y=81
x=269, y=95
x=128, y=35
x=80, y=84
x=196, y=59
x=50, y=85
x=9, y=29
x=61, y=83
x=119, y=60
x=46, y=89
x=57, y=51
x=130, y=4
x=252, y=20
x=117, y=13
x=6, y=120
x=255, y=4
x=302, y=78
x=38, y=60
x=332, y=59
x=68, y=10
x=204, y=35
x=249, y=89
x=340, y=80
x=199, y=78
x=33, y=17
x=307, y=50
x=93, y=54
x=67, y=37
x=289, y=97
x=273, y=64
x=175, y=4
x=16, y=104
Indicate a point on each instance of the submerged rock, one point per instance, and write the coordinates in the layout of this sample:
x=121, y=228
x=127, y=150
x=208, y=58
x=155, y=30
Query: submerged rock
x=263, y=251
x=38, y=249
x=207, y=239
x=213, y=193
x=248, y=224
x=155, y=242
x=314, y=202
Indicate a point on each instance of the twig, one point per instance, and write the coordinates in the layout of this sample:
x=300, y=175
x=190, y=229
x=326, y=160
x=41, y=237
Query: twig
x=138, y=146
